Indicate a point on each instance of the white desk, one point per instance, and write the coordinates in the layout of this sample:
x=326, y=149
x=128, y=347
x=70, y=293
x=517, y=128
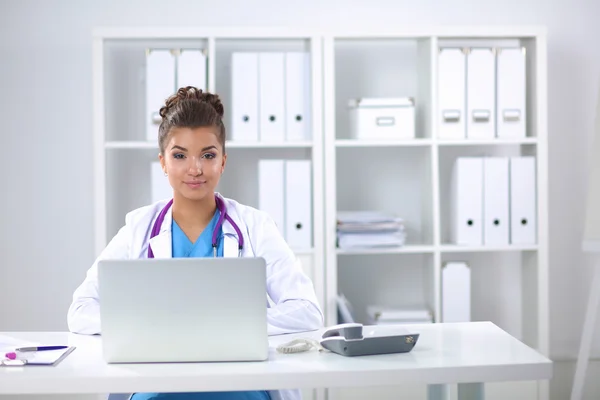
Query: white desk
x=468, y=354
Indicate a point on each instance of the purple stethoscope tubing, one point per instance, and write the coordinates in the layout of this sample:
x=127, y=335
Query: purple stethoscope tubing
x=222, y=217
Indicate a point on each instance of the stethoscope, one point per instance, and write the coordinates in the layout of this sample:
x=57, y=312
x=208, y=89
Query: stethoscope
x=223, y=216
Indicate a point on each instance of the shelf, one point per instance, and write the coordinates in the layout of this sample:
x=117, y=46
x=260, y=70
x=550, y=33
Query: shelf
x=131, y=145
x=382, y=142
x=453, y=248
x=485, y=142
x=268, y=145
x=428, y=142
x=230, y=145
x=410, y=249
x=447, y=248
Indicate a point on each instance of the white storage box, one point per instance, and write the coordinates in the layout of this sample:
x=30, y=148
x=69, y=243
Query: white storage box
x=384, y=118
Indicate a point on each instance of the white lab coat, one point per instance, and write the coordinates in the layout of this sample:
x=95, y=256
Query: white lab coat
x=293, y=305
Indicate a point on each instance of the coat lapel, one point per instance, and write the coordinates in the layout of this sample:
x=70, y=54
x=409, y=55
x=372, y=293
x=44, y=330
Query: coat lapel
x=230, y=245
x=162, y=244
x=230, y=239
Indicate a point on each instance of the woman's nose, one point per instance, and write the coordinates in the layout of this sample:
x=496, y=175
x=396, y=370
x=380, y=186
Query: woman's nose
x=195, y=166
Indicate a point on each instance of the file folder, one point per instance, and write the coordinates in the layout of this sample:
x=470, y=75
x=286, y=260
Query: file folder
x=244, y=95
x=456, y=292
x=161, y=188
x=160, y=84
x=191, y=69
x=271, y=97
x=495, y=200
x=298, y=204
x=271, y=198
x=522, y=200
x=451, y=93
x=467, y=200
x=511, y=92
x=481, y=94
x=297, y=96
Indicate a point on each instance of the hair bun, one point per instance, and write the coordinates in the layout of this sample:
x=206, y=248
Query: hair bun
x=214, y=101
x=192, y=93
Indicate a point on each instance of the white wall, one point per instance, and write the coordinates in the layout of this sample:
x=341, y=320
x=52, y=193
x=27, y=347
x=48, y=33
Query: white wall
x=46, y=121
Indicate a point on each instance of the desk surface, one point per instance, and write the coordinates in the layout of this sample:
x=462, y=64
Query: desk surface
x=444, y=353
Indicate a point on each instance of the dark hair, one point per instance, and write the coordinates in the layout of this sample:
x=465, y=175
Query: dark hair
x=191, y=108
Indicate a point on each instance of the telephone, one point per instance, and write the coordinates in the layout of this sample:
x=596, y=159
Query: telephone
x=353, y=339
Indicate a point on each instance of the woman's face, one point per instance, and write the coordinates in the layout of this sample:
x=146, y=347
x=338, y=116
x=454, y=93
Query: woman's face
x=193, y=161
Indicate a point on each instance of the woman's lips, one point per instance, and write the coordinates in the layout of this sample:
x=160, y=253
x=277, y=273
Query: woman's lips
x=195, y=184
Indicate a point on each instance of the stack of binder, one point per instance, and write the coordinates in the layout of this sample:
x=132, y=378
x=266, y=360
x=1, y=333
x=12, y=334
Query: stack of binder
x=398, y=315
x=285, y=193
x=493, y=201
x=482, y=93
x=271, y=96
x=367, y=229
x=166, y=71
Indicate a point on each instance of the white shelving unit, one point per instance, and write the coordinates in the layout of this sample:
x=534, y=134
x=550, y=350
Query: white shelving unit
x=411, y=178
x=123, y=155
x=407, y=177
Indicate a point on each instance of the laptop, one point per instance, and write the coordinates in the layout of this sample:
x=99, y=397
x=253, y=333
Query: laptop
x=183, y=310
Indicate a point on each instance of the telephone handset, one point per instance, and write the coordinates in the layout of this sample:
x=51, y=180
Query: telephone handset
x=354, y=339
x=349, y=331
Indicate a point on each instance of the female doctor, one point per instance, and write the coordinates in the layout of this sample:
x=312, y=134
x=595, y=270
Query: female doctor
x=198, y=222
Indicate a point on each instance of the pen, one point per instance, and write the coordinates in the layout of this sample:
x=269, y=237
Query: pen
x=41, y=348
x=13, y=355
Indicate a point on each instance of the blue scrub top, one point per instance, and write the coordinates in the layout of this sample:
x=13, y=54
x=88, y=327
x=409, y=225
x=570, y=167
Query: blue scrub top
x=183, y=247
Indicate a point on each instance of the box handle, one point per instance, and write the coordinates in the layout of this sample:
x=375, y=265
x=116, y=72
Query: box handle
x=451, y=115
x=511, y=115
x=385, y=121
x=481, y=116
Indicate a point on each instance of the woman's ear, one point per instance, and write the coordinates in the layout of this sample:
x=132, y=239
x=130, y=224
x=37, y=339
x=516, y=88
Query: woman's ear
x=223, y=163
x=162, y=163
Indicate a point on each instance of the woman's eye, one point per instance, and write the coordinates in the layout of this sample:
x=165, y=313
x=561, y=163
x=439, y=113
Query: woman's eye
x=178, y=156
x=209, y=156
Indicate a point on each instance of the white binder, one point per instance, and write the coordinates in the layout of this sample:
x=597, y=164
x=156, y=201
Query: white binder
x=511, y=93
x=467, y=200
x=271, y=97
x=495, y=201
x=451, y=93
x=271, y=198
x=160, y=84
x=522, y=200
x=244, y=95
x=161, y=188
x=191, y=69
x=456, y=292
x=297, y=96
x=298, y=208
x=481, y=94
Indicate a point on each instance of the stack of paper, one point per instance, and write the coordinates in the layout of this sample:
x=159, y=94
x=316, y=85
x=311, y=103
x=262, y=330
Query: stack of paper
x=360, y=229
x=398, y=315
